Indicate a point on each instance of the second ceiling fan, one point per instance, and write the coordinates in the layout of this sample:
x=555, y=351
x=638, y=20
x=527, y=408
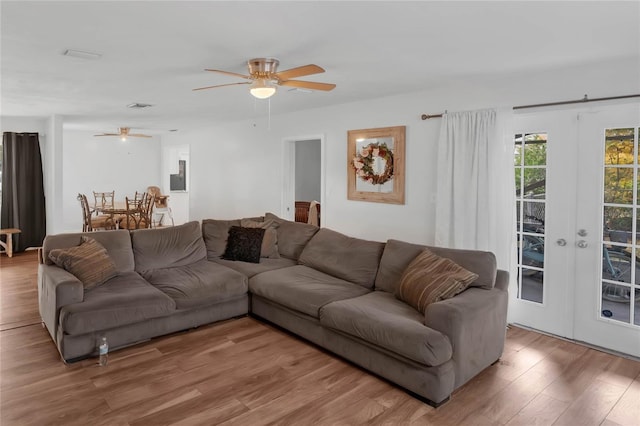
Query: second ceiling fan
x=264, y=77
x=124, y=133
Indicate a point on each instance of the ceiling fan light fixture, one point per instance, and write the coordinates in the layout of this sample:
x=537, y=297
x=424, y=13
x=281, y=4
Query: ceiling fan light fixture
x=262, y=88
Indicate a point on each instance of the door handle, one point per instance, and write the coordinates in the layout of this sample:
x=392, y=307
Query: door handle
x=582, y=244
x=561, y=242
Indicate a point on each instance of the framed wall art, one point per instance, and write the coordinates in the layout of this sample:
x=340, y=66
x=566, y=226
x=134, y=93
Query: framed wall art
x=375, y=167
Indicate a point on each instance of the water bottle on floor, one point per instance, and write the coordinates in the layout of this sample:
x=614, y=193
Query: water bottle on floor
x=103, y=350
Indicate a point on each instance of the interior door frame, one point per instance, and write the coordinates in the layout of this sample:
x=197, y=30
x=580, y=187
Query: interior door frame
x=287, y=208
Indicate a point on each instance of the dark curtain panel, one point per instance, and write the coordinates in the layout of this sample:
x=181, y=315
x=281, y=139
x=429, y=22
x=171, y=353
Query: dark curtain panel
x=23, y=189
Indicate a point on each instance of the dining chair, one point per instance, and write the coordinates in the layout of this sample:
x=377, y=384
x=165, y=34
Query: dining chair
x=91, y=223
x=132, y=217
x=139, y=211
x=103, y=199
x=307, y=212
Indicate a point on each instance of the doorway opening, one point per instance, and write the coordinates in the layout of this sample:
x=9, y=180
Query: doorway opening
x=303, y=189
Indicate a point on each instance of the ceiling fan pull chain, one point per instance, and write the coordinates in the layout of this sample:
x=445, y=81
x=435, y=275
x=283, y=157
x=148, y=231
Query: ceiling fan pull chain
x=269, y=113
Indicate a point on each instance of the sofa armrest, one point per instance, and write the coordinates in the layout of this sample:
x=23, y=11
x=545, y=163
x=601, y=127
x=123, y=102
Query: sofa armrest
x=56, y=288
x=475, y=322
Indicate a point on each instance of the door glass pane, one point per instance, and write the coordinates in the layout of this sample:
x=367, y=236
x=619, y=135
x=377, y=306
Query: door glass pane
x=530, y=159
x=614, y=303
x=620, y=246
x=618, y=219
x=618, y=185
x=617, y=265
x=535, y=182
x=517, y=154
x=533, y=217
x=618, y=146
x=535, y=149
x=532, y=285
x=533, y=251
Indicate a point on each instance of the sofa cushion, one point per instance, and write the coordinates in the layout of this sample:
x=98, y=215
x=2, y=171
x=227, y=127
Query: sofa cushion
x=125, y=299
x=382, y=320
x=269, y=247
x=117, y=244
x=166, y=247
x=198, y=284
x=215, y=234
x=251, y=269
x=398, y=254
x=292, y=236
x=351, y=259
x=430, y=278
x=244, y=244
x=302, y=289
x=88, y=262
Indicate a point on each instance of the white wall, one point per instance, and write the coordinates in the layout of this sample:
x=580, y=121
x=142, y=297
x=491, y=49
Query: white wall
x=105, y=164
x=236, y=169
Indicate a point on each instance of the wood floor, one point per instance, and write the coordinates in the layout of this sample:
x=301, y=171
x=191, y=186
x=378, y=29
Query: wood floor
x=244, y=372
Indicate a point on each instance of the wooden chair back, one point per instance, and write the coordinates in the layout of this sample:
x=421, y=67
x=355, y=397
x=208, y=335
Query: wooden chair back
x=139, y=211
x=86, y=213
x=302, y=211
x=104, y=199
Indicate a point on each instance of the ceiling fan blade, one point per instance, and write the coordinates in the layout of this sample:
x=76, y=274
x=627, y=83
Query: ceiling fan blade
x=299, y=72
x=235, y=74
x=138, y=135
x=109, y=134
x=220, y=85
x=308, y=85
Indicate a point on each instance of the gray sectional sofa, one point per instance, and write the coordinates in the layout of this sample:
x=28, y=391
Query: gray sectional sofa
x=331, y=289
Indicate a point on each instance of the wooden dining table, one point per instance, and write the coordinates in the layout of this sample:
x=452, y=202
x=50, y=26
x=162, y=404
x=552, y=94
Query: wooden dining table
x=119, y=208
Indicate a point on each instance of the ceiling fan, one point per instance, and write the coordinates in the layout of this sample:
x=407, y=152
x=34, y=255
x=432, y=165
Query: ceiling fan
x=124, y=134
x=264, y=77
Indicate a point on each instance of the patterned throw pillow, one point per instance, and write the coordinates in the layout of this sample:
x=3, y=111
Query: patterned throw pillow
x=430, y=278
x=244, y=244
x=89, y=262
x=270, y=241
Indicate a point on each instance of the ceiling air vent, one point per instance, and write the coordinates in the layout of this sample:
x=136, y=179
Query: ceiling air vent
x=137, y=105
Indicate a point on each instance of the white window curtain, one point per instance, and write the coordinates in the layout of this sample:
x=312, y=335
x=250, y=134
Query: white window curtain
x=476, y=190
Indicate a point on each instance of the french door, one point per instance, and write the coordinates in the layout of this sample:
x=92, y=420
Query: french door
x=578, y=216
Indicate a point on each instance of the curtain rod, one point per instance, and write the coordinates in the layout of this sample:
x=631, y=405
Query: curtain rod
x=579, y=101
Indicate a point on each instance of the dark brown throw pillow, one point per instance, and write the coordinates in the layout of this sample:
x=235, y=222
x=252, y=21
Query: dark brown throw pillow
x=270, y=240
x=89, y=262
x=430, y=278
x=244, y=244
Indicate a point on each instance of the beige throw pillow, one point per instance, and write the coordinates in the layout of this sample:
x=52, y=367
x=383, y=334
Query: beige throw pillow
x=89, y=262
x=269, y=246
x=430, y=278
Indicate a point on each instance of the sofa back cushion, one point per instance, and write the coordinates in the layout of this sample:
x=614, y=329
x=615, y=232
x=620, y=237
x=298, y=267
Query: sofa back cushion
x=399, y=254
x=292, y=236
x=350, y=259
x=215, y=234
x=117, y=244
x=168, y=247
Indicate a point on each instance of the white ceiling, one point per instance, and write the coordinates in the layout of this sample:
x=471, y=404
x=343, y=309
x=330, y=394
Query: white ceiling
x=156, y=51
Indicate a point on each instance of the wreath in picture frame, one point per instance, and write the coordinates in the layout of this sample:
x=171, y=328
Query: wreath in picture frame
x=364, y=161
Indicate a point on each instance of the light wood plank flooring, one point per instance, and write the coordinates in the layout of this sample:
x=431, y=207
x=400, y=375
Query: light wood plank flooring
x=245, y=372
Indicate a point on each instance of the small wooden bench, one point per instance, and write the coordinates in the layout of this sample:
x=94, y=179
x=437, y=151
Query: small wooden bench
x=8, y=246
